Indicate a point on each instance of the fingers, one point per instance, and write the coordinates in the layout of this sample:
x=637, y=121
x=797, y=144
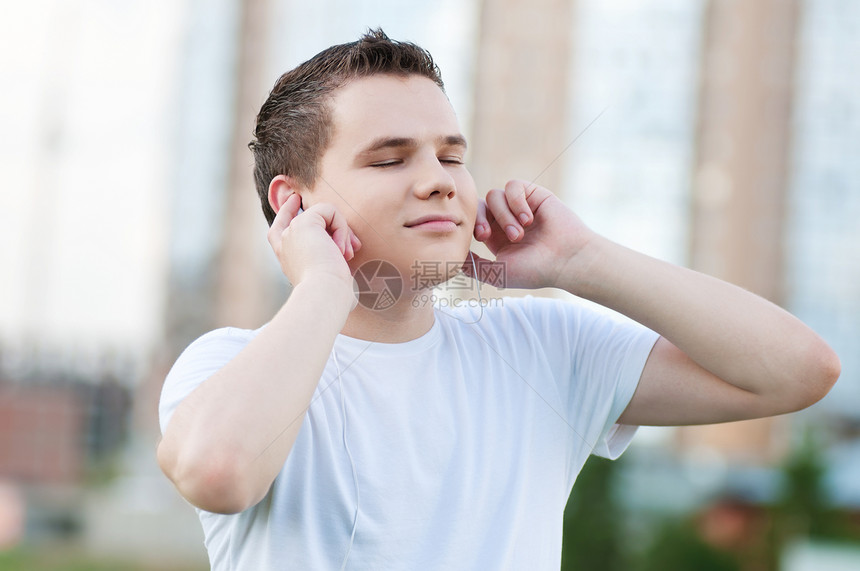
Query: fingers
x=510, y=209
x=356, y=243
x=482, y=223
x=516, y=193
x=322, y=214
x=338, y=228
x=289, y=210
x=498, y=206
x=513, y=208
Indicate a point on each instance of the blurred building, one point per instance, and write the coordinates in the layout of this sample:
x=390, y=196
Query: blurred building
x=84, y=160
x=130, y=226
x=822, y=241
x=719, y=134
x=740, y=178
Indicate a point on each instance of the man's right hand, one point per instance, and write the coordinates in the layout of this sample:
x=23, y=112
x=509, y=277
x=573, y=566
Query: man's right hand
x=228, y=439
x=317, y=241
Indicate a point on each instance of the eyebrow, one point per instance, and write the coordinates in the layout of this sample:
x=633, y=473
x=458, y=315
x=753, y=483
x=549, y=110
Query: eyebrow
x=408, y=142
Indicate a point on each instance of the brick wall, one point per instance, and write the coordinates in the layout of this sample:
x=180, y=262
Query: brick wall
x=41, y=434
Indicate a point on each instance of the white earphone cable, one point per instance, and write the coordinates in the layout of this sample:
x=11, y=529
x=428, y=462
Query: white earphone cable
x=480, y=299
x=343, y=418
x=351, y=463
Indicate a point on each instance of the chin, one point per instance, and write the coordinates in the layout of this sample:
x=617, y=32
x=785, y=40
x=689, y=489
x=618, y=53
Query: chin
x=444, y=256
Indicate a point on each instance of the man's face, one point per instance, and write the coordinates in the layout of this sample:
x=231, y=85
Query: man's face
x=395, y=169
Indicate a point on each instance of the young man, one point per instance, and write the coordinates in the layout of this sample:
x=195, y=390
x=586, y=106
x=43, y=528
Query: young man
x=348, y=435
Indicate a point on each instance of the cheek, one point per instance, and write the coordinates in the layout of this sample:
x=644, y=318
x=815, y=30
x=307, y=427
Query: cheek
x=472, y=212
x=371, y=223
x=362, y=227
x=470, y=202
x=469, y=207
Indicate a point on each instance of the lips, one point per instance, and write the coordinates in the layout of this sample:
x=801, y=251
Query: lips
x=433, y=219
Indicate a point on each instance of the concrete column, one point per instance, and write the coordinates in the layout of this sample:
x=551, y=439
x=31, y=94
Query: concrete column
x=521, y=91
x=743, y=142
x=244, y=291
x=741, y=175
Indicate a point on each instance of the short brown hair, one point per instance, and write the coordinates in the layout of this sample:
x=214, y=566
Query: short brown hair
x=294, y=126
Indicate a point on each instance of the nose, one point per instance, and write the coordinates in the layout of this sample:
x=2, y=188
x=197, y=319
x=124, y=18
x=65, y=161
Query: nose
x=433, y=179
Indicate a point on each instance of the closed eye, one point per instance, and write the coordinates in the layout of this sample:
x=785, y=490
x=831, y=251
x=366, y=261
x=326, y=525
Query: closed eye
x=451, y=160
x=389, y=163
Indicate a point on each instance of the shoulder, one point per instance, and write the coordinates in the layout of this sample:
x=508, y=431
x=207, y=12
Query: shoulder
x=200, y=360
x=219, y=345
x=528, y=311
x=531, y=320
x=222, y=337
x=515, y=319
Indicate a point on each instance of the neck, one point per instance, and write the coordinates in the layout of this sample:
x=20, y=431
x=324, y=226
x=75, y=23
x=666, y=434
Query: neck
x=404, y=321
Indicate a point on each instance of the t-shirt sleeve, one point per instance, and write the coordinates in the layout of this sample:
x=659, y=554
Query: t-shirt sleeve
x=597, y=360
x=198, y=362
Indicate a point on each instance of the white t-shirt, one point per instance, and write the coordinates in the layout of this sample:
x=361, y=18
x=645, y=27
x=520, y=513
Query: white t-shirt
x=465, y=442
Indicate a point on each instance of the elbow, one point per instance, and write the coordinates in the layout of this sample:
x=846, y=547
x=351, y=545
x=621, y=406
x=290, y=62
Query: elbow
x=829, y=368
x=821, y=372
x=212, y=483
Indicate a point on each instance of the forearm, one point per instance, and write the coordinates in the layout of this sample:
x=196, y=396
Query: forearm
x=229, y=438
x=732, y=333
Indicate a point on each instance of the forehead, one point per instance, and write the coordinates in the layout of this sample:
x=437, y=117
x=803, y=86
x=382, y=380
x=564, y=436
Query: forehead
x=387, y=105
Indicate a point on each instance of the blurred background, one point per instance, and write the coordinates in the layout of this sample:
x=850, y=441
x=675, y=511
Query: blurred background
x=723, y=135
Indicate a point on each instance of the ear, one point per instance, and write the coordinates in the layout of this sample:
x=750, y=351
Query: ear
x=281, y=188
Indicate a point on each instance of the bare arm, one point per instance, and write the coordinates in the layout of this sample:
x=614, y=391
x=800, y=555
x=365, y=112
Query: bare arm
x=724, y=353
x=227, y=441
